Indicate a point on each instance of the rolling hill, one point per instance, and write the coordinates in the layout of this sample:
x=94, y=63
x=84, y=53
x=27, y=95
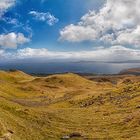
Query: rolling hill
x=133, y=71
x=68, y=106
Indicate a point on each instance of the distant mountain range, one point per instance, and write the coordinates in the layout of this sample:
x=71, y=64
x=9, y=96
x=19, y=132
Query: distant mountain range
x=133, y=71
x=126, y=61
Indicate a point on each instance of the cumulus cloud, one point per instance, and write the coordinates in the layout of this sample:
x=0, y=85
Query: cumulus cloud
x=114, y=53
x=44, y=17
x=12, y=40
x=78, y=33
x=129, y=36
x=5, y=5
x=117, y=22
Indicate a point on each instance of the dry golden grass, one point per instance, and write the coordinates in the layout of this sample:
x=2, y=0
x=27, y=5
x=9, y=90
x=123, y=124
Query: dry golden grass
x=68, y=106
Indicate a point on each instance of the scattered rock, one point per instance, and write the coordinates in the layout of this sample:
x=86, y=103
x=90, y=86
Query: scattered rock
x=104, y=80
x=72, y=135
x=106, y=114
x=26, y=110
x=128, y=119
x=138, y=107
x=7, y=136
x=65, y=137
x=127, y=81
x=10, y=131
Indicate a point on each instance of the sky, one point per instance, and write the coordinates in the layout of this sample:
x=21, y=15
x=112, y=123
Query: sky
x=95, y=30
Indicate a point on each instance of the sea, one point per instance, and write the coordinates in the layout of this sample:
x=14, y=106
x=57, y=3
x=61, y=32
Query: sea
x=74, y=67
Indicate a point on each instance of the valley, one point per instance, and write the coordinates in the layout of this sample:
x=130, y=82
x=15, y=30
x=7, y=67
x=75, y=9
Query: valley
x=69, y=106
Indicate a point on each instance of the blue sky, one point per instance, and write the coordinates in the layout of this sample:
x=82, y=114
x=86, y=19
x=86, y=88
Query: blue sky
x=70, y=29
x=44, y=35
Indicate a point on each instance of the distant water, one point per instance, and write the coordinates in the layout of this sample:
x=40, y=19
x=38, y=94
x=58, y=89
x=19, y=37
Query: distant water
x=76, y=67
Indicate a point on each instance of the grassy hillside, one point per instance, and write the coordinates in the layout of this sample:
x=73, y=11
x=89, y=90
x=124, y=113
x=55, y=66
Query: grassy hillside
x=68, y=106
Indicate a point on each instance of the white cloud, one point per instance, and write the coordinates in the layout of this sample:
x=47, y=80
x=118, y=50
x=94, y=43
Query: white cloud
x=1, y=52
x=130, y=36
x=12, y=40
x=12, y=21
x=116, y=22
x=5, y=5
x=78, y=33
x=114, y=53
x=44, y=17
